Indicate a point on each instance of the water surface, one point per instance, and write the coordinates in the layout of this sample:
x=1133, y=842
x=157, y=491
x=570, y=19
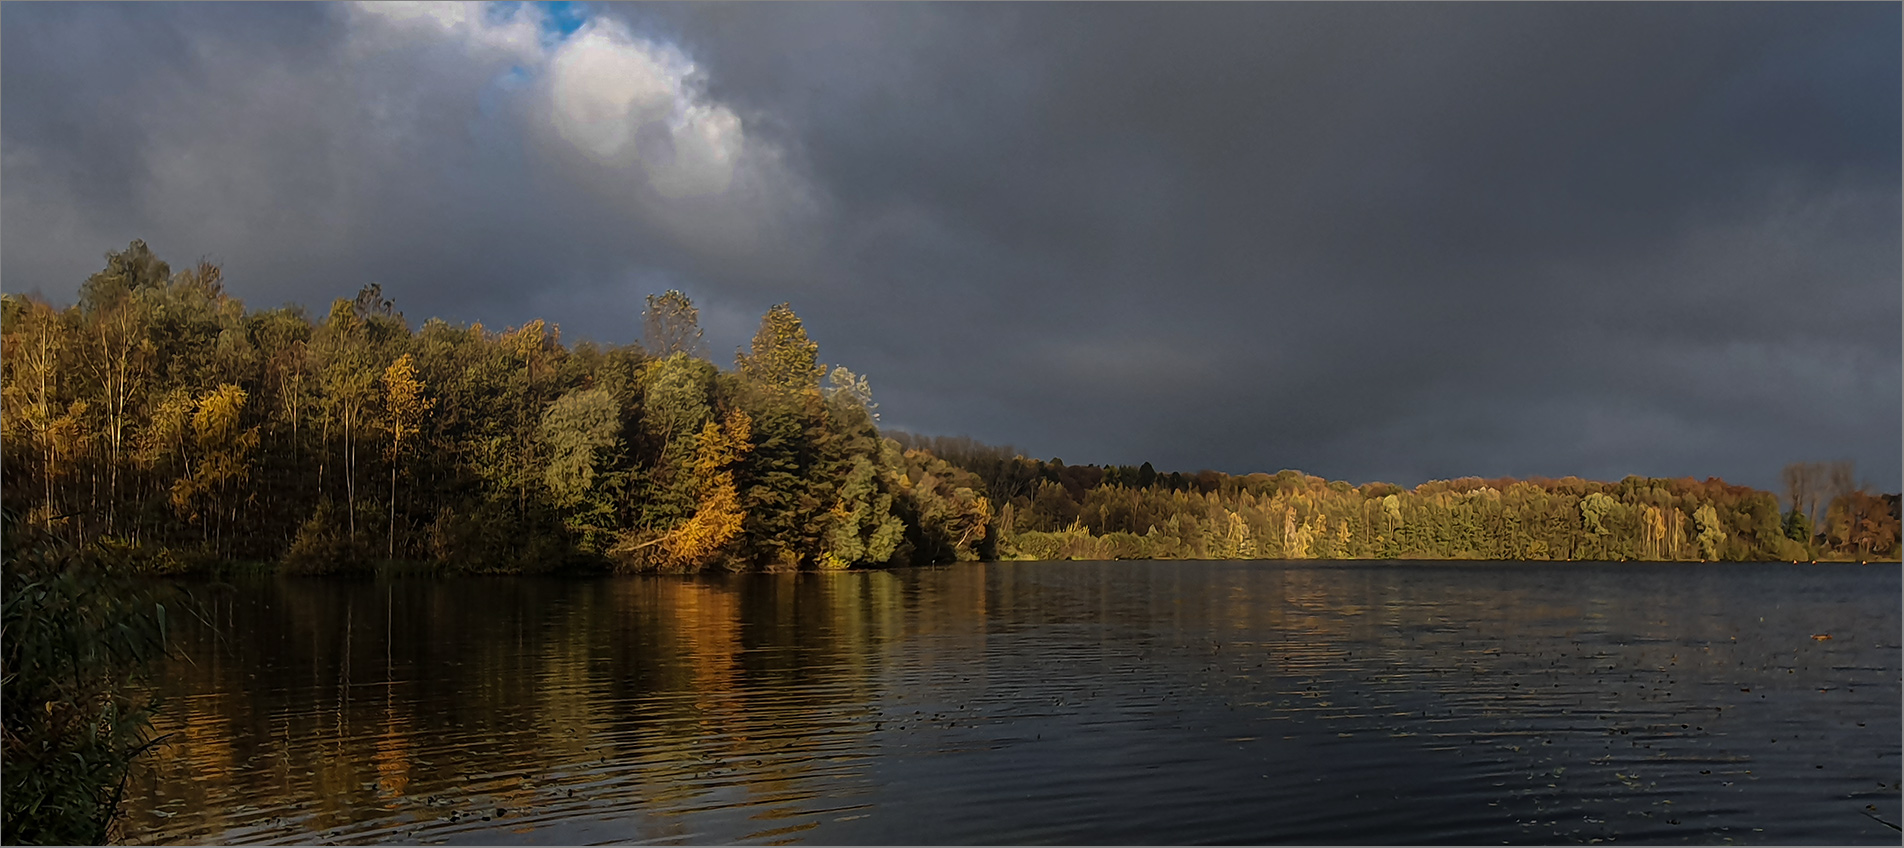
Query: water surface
x=1128, y=702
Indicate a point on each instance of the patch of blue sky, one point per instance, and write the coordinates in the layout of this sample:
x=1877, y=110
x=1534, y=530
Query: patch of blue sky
x=559, y=19
x=564, y=16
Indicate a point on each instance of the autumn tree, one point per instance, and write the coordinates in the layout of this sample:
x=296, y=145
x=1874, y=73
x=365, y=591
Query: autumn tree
x=1596, y=509
x=285, y=338
x=781, y=354
x=1230, y=537
x=224, y=448
x=117, y=350
x=698, y=541
x=947, y=516
x=671, y=324
x=1652, y=531
x=404, y=407
x=349, y=380
x=1712, y=533
x=536, y=346
x=1862, y=524
x=34, y=342
x=717, y=516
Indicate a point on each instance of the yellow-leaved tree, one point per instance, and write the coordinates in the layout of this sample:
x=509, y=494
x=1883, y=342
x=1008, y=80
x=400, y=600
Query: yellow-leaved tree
x=404, y=407
x=224, y=456
x=31, y=347
x=1712, y=534
x=697, y=541
x=781, y=354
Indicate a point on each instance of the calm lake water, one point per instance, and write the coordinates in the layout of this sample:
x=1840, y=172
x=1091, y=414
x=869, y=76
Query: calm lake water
x=1127, y=702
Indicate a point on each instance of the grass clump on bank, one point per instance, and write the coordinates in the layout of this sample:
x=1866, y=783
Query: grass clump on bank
x=76, y=634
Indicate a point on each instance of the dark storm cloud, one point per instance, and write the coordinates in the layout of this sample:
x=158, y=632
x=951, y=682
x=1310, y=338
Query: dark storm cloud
x=1368, y=241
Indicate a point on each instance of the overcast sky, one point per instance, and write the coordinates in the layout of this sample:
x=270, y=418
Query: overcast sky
x=1368, y=241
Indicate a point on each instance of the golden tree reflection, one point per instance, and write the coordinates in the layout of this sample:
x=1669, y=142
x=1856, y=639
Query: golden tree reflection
x=391, y=711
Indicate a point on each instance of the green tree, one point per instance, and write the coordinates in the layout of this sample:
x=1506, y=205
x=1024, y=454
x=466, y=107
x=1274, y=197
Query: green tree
x=1798, y=526
x=863, y=528
x=677, y=400
x=582, y=434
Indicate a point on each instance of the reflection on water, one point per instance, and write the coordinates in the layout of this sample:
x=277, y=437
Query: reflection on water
x=1130, y=702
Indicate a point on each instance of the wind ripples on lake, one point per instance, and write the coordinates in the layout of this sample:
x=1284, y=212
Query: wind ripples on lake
x=1131, y=702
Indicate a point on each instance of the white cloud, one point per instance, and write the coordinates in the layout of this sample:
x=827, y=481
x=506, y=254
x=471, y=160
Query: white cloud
x=614, y=115
x=515, y=35
x=627, y=101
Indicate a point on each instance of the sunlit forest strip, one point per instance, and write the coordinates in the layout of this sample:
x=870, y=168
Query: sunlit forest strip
x=1054, y=511
x=161, y=422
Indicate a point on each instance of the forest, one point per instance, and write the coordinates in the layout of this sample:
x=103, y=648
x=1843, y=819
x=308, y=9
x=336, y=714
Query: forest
x=1053, y=511
x=159, y=421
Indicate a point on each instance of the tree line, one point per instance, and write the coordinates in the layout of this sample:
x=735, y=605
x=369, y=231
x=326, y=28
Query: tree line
x=159, y=420
x=1049, y=510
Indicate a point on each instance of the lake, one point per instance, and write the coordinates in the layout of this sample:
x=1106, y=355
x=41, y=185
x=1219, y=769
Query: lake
x=1040, y=702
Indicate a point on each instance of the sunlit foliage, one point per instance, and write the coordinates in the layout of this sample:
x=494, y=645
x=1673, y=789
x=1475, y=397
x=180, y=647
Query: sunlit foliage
x=782, y=355
x=162, y=416
x=1087, y=512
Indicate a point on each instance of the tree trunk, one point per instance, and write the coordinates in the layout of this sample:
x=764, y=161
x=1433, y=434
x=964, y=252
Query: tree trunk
x=323, y=454
x=46, y=421
x=350, y=472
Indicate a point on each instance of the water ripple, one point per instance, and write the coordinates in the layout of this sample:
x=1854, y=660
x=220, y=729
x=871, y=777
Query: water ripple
x=1042, y=702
